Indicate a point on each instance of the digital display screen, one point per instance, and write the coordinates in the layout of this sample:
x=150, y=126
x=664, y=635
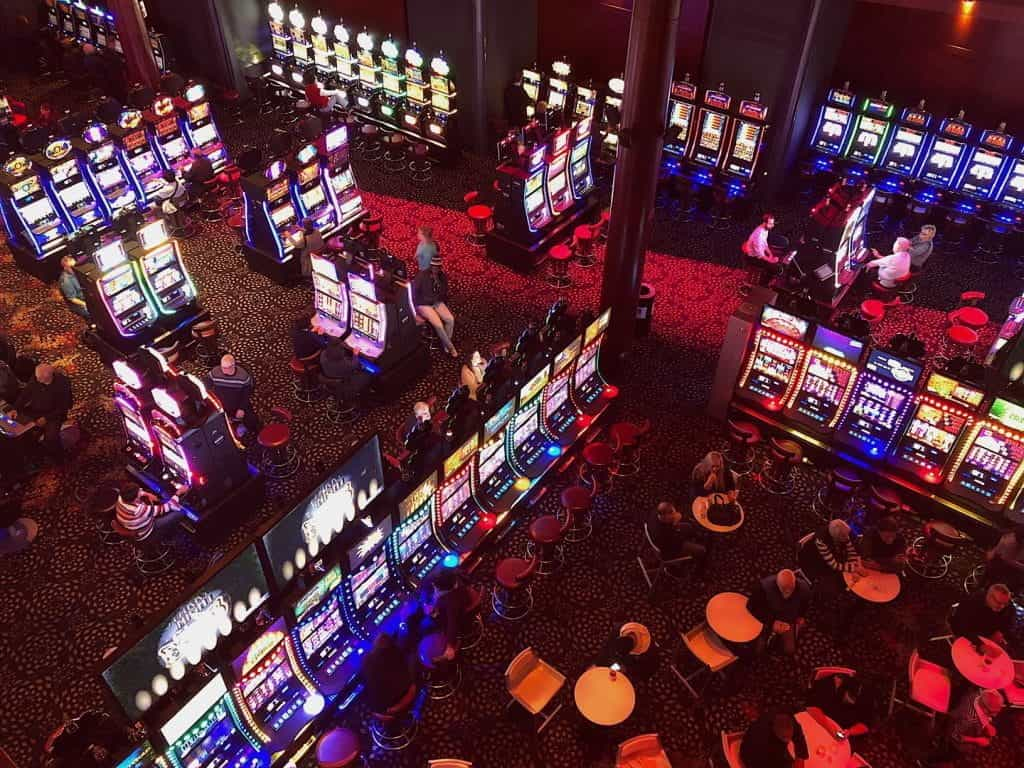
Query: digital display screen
x=533, y=387
x=772, y=366
x=564, y=358
x=586, y=366
x=1011, y=192
x=134, y=140
x=983, y=169
x=102, y=154
x=990, y=463
x=867, y=141
x=319, y=591
x=784, y=323
x=499, y=419
x=313, y=198
x=492, y=456
x=901, y=372
x=277, y=190
x=27, y=187
x=951, y=389
x=166, y=127
x=370, y=579
x=903, y=152
x=744, y=149
x=175, y=148
x=199, y=112
x=143, y=756
x=709, y=138
x=126, y=301
x=930, y=437
x=558, y=394
x=837, y=344
x=455, y=494
x=110, y=256
x=942, y=162
x=309, y=173
x=189, y=714
x=413, y=536
x=336, y=138
x=527, y=423
x=822, y=388
x=831, y=130
x=597, y=327
x=205, y=135
x=461, y=455
x=64, y=171
x=283, y=215
x=1008, y=414
x=423, y=493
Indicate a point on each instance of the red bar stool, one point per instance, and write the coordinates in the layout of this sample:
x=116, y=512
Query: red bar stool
x=395, y=728
x=872, y=312
x=482, y=217
x=625, y=440
x=583, y=239
x=777, y=477
x=339, y=748
x=472, y=628
x=512, y=598
x=971, y=298
x=744, y=437
x=595, y=471
x=372, y=148
x=959, y=341
x=577, y=505
x=306, y=378
x=205, y=333
x=932, y=553
x=102, y=508
x=395, y=156
x=280, y=459
x=443, y=676
x=560, y=256
x=421, y=170
x=832, y=501
x=971, y=316
x=546, y=536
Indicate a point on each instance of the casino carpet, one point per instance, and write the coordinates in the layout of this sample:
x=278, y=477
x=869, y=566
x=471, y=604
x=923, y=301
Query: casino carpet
x=68, y=598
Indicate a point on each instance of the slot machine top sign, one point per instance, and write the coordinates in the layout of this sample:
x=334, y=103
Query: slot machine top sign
x=130, y=118
x=195, y=92
x=319, y=25
x=57, y=150
x=17, y=166
x=341, y=33
x=413, y=57
x=164, y=105
x=276, y=12
x=95, y=133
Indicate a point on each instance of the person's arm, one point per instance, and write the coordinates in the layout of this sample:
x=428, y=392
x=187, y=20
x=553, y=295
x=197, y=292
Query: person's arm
x=799, y=743
x=830, y=561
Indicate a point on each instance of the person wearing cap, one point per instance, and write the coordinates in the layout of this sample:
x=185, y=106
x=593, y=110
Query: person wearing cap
x=883, y=546
x=430, y=295
x=893, y=267
x=828, y=555
x=780, y=602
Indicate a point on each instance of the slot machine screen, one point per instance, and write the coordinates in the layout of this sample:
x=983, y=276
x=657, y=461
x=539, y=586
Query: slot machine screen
x=492, y=456
x=558, y=395
x=942, y=162
x=283, y=215
x=900, y=372
x=1012, y=191
x=440, y=102
x=309, y=173
x=833, y=127
x=982, y=173
x=317, y=593
x=277, y=190
x=166, y=127
x=456, y=494
x=143, y=756
x=142, y=162
x=782, y=322
x=118, y=281
x=112, y=177
x=440, y=85
x=37, y=210
x=586, y=367
x=135, y=140
x=526, y=424
x=460, y=455
x=313, y=198
x=597, y=327
x=566, y=356
x=199, y=112
x=867, y=142
x=167, y=279
x=772, y=367
x=822, y=388
x=176, y=148
x=990, y=463
x=126, y=300
x=205, y=134
x=712, y=125
x=64, y=171
x=110, y=256
x=27, y=187
x=682, y=114
x=837, y=344
x=206, y=699
x=930, y=436
x=499, y=419
x=881, y=399
x=158, y=259
x=414, y=538
x=368, y=582
x=101, y=154
x=745, y=148
x=412, y=503
x=336, y=138
x=903, y=151
x=414, y=91
x=76, y=195
x=533, y=387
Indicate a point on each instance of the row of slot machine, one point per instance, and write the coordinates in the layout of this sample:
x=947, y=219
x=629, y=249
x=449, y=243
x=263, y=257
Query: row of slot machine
x=316, y=184
x=398, y=89
x=95, y=24
x=346, y=563
x=91, y=184
x=944, y=438
x=946, y=162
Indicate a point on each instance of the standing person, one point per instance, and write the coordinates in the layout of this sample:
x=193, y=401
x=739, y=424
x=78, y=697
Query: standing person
x=711, y=475
x=46, y=400
x=312, y=242
x=780, y=602
x=675, y=538
x=921, y=247
x=430, y=295
x=140, y=513
x=770, y=739
x=71, y=288
x=233, y=386
x=893, y=267
x=1006, y=559
x=516, y=101
x=427, y=249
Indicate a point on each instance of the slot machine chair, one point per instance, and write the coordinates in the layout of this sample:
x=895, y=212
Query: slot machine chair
x=442, y=676
x=481, y=217
x=152, y=555
x=577, y=505
x=101, y=506
x=626, y=438
x=395, y=728
x=280, y=458
x=992, y=244
x=471, y=631
x=340, y=748
x=205, y=334
x=595, y=471
x=546, y=534
x=395, y=154
x=306, y=378
x=512, y=598
x=371, y=147
x=834, y=498
x=583, y=243
x=558, y=276
x=777, y=475
x=421, y=169
x=931, y=554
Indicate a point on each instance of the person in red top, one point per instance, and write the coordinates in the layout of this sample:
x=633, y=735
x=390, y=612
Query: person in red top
x=321, y=100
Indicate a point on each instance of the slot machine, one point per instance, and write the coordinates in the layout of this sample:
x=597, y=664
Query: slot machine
x=340, y=175
x=901, y=160
x=367, y=92
x=392, y=78
x=207, y=731
x=880, y=403
x=302, y=50
x=1009, y=196
x=83, y=25
x=556, y=174
x=123, y=311
x=132, y=400
x=280, y=38
x=163, y=272
x=327, y=652
x=272, y=229
x=497, y=486
x=869, y=135
x=272, y=692
x=53, y=15
x=108, y=171
x=522, y=212
x=681, y=108
x=414, y=551
x=769, y=376
x=321, y=49
x=945, y=155
x=370, y=594
x=461, y=522
x=417, y=93
x=166, y=135
x=144, y=755
x=531, y=451
x=944, y=410
x=989, y=463
x=67, y=18
x=137, y=156
x=158, y=45
x=1000, y=355
x=980, y=175
x=99, y=26
x=746, y=140
x=832, y=130
x=345, y=61
x=113, y=36
x=712, y=126
x=826, y=380
x=591, y=394
x=611, y=119
x=579, y=159
x=330, y=294
x=312, y=191
x=560, y=414
x=200, y=128
x=36, y=231
x=585, y=102
x=559, y=91
x=440, y=125
x=81, y=204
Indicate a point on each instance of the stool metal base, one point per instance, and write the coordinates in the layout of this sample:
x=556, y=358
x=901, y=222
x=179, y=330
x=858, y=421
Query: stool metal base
x=581, y=528
x=585, y=262
x=626, y=468
x=552, y=557
x=106, y=533
x=926, y=564
x=207, y=356
x=393, y=742
x=342, y=414
x=974, y=579
x=472, y=637
x=282, y=469
x=775, y=486
x=438, y=690
x=421, y=172
x=823, y=511
x=559, y=281
x=307, y=392
x=512, y=609
x=152, y=564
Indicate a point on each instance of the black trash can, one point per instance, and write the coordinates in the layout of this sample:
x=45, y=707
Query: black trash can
x=644, y=309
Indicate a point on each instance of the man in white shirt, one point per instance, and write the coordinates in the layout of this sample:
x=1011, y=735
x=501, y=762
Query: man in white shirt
x=757, y=245
x=893, y=267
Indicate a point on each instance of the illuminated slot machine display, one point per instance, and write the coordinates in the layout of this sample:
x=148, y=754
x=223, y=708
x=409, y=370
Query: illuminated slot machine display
x=158, y=46
x=367, y=91
x=986, y=164
x=498, y=485
x=585, y=102
x=611, y=119
x=590, y=392
x=414, y=550
x=870, y=132
x=208, y=732
x=417, y=93
x=327, y=652
x=579, y=159
x=272, y=227
x=322, y=53
x=522, y=211
x=945, y=155
x=106, y=168
x=341, y=178
x=137, y=156
x=560, y=413
x=530, y=449
x=370, y=594
x=344, y=60
x=82, y=205
x=461, y=522
x=200, y=128
x=36, y=231
x=712, y=127
x=330, y=294
x=556, y=174
x=163, y=272
x=746, y=139
x=833, y=128
x=392, y=79
x=533, y=85
x=167, y=137
x=826, y=380
x=53, y=15
x=440, y=126
x=904, y=153
x=99, y=26
x=83, y=24
x=302, y=49
x=313, y=194
x=559, y=89
x=280, y=37
x=123, y=311
x=113, y=36
x=944, y=411
x=368, y=318
x=144, y=755
x=776, y=354
x=133, y=403
x=681, y=109
x=989, y=463
x=1009, y=196
x=880, y=404
x=67, y=17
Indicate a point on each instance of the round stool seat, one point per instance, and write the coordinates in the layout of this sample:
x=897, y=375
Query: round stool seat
x=942, y=533
x=745, y=431
x=479, y=212
x=274, y=435
x=561, y=252
x=847, y=476
x=369, y=130
x=887, y=497
x=204, y=329
x=470, y=198
x=583, y=233
x=576, y=499
x=431, y=649
x=961, y=334
x=507, y=572
x=338, y=748
x=872, y=310
x=787, y=449
x=232, y=174
x=972, y=317
x=625, y=433
x=420, y=150
x=298, y=366
x=972, y=297
x=336, y=244
x=396, y=139
x=598, y=455
x=546, y=530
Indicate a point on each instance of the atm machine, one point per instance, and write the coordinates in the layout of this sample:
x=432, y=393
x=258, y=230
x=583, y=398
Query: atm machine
x=37, y=233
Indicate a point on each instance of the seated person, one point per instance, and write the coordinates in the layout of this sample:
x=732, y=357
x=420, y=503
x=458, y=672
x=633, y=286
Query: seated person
x=71, y=288
x=712, y=475
x=199, y=172
x=233, y=386
x=828, y=555
x=472, y=373
x=843, y=699
x=448, y=598
x=921, y=247
x=768, y=741
x=628, y=648
x=780, y=602
x=341, y=372
x=305, y=341
x=420, y=438
x=10, y=387
x=386, y=674
x=984, y=613
x=140, y=513
x=312, y=242
x=883, y=546
x=676, y=538
x=430, y=296
x=1006, y=559
x=46, y=400
x=893, y=267
x=321, y=99
x=172, y=196
x=971, y=727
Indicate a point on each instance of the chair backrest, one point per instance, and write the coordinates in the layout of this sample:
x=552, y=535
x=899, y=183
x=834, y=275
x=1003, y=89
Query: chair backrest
x=449, y=762
x=912, y=663
x=520, y=667
x=650, y=541
x=731, y=748
x=644, y=745
x=821, y=672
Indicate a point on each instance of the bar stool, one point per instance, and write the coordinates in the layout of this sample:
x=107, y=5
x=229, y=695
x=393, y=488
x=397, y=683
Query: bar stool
x=744, y=437
x=305, y=381
x=888, y=296
x=395, y=728
x=906, y=287
x=954, y=230
x=152, y=554
x=969, y=315
x=512, y=598
x=992, y=243
x=932, y=553
x=372, y=148
x=546, y=536
x=443, y=676
x=206, y=333
x=721, y=209
x=421, y=170
x=595, y=471
x=472, y=628
x=481, y=216
x=577, y=505
x=831, y=501
x=341, y=410
x=583, y=238
x=102, y=507
x=777, y=477
x=395, y=156
x=560, y=256
x=872, y=311
x=428, y=337
x=959, y=341
x=280, y=459
x=339, y=748
x=882, y=501
x=625, y=440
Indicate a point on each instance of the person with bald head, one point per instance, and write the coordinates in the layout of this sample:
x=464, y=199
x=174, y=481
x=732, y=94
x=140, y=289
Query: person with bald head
x=46, y=400
x=780, y=602
x=233, y=386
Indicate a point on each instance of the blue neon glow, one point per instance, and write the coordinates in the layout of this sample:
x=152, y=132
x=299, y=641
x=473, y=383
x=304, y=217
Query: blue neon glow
x=451, y=560
x=69, y=220
x=554, y=450
x=98, y=195
x=274, y=234
x=7, y=224
x=129, y=173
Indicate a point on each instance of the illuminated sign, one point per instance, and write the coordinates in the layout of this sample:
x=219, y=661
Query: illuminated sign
x=17, y=165
x=57, y=150
x=153, y=234
x=276, y=12
x=461, y=455
x=566, y=356
x=306, y=154
x=413, y=58
x=1007, y=413
x=416, y=499
x=195, y=92
x=561, y=68
x=389, y=48
x=439, y=66
x=365, y=41
x=130, y=118
x=533, y=387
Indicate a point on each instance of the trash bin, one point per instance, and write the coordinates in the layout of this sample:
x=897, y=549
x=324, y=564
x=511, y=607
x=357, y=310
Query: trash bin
x=644, y=309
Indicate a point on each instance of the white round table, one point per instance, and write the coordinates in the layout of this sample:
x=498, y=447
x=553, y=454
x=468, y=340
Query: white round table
x=823, y=749
x=876, y=587
x=604, y=696
x=729, y=618
x=992, y=669
x=699, y=508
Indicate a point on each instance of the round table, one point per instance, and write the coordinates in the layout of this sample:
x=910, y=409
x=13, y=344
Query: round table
x=604, y=696
x=823, y=749
x=729, y=618
x=876, y=587
x=993, y=669
x=700, y=514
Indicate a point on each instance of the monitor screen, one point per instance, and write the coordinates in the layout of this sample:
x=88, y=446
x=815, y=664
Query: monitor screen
x=461, y=455
x=942, y=161
x=499, y=419
x=782, y=322
x=982, y=173
x=566, y=356
x=336, y=138
x=597, y=327
x=319, y=591
x=1007, y=413
x=206, y=134
x=1011, y=192
x=533, y=387
x=904, y=149
x=837, y=344
x=896, y=370
x=64, y=171
x=368, y=581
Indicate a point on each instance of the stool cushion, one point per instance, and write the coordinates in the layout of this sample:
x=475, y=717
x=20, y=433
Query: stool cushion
x=787, y=449
x=546, y=530
x=942, y=532
x=420, y=150
x=744, y=431
x=576, y=498
x=583, y=232
x=847, y=476
x=431, y=649
x=300, y=367
x=872, y=310
x=598, y=454
x=560, y=252
x=968, y=296
x=625, y=433
x=479, y=212
x=337, y=748
x=886, y=496
x=961, y=334
x=507, y=572
x=470, y=197
x=972, y=317
x=274, y=436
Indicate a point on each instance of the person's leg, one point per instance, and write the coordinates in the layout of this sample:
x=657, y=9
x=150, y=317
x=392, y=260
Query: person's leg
x=430, y=315
x=699, y=553
x=789, y=641
x=51, y=436
x=446, y=317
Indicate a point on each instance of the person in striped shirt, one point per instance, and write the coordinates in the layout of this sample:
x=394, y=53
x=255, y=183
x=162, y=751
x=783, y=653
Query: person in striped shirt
x=140, y=513
x=830, y=554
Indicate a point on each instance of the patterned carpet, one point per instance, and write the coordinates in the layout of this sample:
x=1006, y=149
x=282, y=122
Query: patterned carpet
x=68, y=598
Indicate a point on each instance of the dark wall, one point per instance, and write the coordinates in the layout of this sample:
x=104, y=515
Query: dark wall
x=510, y=27
x=954, y=61
x=384, y=17
x=199, y=44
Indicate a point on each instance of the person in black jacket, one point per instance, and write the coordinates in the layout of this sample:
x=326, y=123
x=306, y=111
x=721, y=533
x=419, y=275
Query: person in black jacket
x=46, y=400
x=985, y=613
x=386, y=674
x=430, y=295
x=233, y=386
x=340, y=371
x=305, y=341
x=675, y=538
x=780, y=603
x=766, y=743
x=10, y=387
